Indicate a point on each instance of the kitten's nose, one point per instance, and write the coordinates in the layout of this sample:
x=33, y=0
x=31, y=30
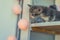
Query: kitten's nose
x=33, y=14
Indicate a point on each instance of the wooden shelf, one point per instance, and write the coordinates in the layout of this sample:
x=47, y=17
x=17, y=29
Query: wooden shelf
x=45, y=24
x=47, y=27
x=37, y=29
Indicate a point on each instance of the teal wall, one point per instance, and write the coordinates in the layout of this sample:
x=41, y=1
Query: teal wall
x=41, y=36
x=7, y=19
x=43, y=2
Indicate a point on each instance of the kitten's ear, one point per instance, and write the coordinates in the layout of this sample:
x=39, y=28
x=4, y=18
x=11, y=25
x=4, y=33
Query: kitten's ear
x=29, y=5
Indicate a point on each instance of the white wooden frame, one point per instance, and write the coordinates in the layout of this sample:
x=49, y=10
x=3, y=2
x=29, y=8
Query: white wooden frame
x=46, y=24
x=25, y=35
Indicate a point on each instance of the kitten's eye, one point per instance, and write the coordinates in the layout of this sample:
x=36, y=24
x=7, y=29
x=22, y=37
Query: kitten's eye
x=38, y=9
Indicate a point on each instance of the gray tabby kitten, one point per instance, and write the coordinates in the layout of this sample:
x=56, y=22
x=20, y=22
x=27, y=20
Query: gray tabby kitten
x=41, y=14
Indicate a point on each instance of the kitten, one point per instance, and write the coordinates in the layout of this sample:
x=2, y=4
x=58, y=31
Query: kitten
x=42, y=14
x=35, y=12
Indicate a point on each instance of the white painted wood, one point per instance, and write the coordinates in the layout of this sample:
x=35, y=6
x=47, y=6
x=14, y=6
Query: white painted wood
x=45, y=24
x=57, y=37
x=25, y=35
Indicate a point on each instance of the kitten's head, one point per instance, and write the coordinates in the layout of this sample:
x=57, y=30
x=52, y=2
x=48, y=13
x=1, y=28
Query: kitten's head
x=35, y=10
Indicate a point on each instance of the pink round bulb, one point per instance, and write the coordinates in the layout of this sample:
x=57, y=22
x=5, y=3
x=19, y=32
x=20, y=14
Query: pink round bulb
x=23, y=24
x=17, y=9
x=11, y=38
